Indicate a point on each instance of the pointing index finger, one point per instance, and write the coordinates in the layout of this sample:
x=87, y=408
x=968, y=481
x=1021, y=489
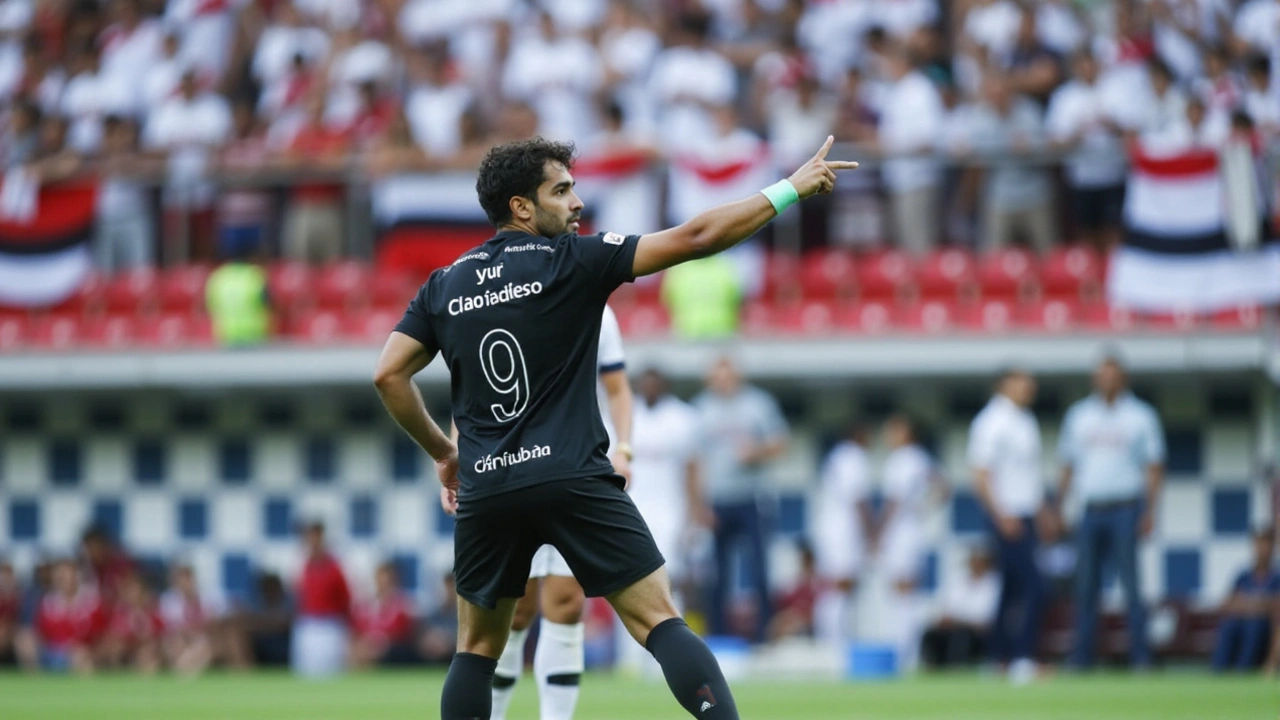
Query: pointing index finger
x=842, y=165
x=822, y=151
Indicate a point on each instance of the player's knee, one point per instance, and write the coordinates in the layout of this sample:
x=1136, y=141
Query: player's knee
x=564, y=608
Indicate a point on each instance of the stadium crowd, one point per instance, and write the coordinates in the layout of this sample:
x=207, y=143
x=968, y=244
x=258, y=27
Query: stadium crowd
x=965, y=102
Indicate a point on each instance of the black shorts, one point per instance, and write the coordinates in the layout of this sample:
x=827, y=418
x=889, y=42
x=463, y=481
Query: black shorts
x=591, y=521
x=1097, y=208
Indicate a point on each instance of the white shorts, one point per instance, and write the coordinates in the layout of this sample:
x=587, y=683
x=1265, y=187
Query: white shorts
x=548, y=561
x=319, y=647
x=838, y=550
x=902, y=552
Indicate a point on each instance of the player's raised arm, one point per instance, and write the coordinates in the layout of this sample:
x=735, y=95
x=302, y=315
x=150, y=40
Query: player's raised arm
x=724, y=226
x=402, y=358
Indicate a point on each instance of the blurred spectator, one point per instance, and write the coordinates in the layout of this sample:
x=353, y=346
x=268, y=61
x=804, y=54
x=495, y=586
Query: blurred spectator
x=10, y=612
x=910, y=123
x=40, y=81
x=704, y=298
x=799, y=120
x=1243, y=635
x=993, y=26
x=124, y=236
x=237, y=300
x=188, y=129
x=1166, y=104
x=374, y=115
x=283, y=43
x=135, y=629
x=744, y=430
x=243, y=210
x=908, y=477
x=1008, y=130
x=959, y=636
x=1221, y=88
x=188, y=619
x=1033, y=69
x=69, y=623
x=393, y=151
x=1059, y=26
x=686, y=78
x=1004, y=453
x=440, y=628
x=313, y=222
x=206, y=32
x=856, y=213
x=26, y=642
x=558, y=74
x=1261, y=97
x=384, y=627
x=437, y=102
x=615, y=175
x=1081, y=122
x=1196, y=129
x=1257, y=28
x=794, y=616
x=628, y=46
x=260, y=634
x=321, y=632
x=104, y=562
x=1112, y=450
x=21, y=139
x=130, y=46
x=841, y=532
x=161, y=78
x=283, y=103
x=87, y=99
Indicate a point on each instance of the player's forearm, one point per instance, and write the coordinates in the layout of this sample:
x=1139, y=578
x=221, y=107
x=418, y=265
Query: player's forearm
x=1155, y=481
x=618, y=392
x=724, y=226
x=404, y=403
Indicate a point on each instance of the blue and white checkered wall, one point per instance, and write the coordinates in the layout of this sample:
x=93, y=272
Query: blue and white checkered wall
x=221, y=479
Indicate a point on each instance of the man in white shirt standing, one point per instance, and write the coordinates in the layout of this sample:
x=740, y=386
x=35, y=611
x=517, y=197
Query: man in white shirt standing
x=1112, y=450
x=908, y=476
x=1004, y=452
x=666, y=486
x=842, y=522
x=559, y=661
x=911, y=120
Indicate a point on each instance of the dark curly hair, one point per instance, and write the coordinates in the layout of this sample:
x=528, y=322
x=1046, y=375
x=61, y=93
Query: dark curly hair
x=517, y=168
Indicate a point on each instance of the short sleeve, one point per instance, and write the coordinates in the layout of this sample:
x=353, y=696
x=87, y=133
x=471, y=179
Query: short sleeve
x=612, y=356
x=1152, y=437
x=606, y=258
x=416, y=322
x=982, y=442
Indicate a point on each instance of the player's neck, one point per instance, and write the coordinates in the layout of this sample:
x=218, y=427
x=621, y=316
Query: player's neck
x=517, y=226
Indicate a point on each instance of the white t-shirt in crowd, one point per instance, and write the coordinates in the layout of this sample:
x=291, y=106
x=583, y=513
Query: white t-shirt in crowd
x=575, y=16
x=911, y=121
x=1263, y=107
x=683, y=79
x=206, y=29
x=162, y=79
x=1078, y=110
x=1258, y=24
x=273, y=58
x=845, y=480
x=84, y=106
x=558, y=77
x=435, y=116
x=831, y=33
x=630, y=53
x=903, y=17
x=189, y=130
x=468, y=25
x=336, y=14
x=611, y=357
x=1004, y=440
x=994, y=26
x=1058, y=27
x=907, y=473
x=795, y=131
x=126, y=56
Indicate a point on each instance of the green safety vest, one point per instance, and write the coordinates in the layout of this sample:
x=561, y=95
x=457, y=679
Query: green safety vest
x=236, y=298
x=703, y=297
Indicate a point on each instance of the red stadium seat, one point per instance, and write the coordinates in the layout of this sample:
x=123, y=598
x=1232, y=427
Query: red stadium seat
x=112, y=331
x=371, y=326
x=56, y=331
x=946, y=274
x=871, y=317
x=132, y=290
x=1175, y=321
x=14, y=330
x=758, y=319
x=1104, y=317
x=1070, y=272
x=392, y=289
x=343, y=284
x=645, y=320
x=1241, y=317
x=930, y=316
x=167, y=330
x=989, y=315
x=89, y=296
x=1007, y=274
x=317, y=326
x=782, y=277
x=811, y=317
x=884, y=275
x=827, y=274
x=1048, y=315
x=289, y=284
x=182, y=289
x=648, y=288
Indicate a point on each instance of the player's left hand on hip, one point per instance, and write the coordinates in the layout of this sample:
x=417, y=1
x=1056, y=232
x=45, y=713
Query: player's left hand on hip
x=818, y=176
x=622, y=466
x=447, y=471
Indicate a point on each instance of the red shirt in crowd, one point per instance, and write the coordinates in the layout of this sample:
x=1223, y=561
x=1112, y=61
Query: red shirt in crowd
x=133, y=625
x=316, y=142
x=10, y=606
x=108, y=574
x=389, y=619
x=371, y=121
x=64, y=622
x=323, y=590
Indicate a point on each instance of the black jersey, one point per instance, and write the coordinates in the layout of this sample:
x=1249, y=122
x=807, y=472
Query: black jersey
x=518, y=322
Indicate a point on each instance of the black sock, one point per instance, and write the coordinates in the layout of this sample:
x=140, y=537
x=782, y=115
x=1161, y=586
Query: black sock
x=468, y=688
x=692, y=671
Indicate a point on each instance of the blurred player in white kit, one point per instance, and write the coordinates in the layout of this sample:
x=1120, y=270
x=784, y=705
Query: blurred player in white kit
x=558, y=662
x=841, y=527
x=665, y=485
x=909, y=475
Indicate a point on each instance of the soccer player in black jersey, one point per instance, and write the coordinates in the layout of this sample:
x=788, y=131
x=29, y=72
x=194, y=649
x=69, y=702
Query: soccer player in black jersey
x=517, y=320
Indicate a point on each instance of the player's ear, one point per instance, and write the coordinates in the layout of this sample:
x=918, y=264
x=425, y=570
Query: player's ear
x=522, y=208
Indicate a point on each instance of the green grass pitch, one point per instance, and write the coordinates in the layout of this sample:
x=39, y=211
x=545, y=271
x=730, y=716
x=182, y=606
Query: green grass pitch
x=415, y=696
